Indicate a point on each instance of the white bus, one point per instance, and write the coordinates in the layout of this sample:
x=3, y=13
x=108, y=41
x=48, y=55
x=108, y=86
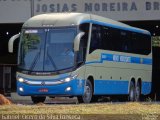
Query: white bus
x=83, y=55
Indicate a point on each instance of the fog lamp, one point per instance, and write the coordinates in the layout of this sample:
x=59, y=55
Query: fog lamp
x=68, y=89
x=21, y=89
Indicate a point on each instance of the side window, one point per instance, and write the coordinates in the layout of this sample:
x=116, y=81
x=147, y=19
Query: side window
x=141, y=44
x=96, y=38
x=124, y=39
x=83, y=43
x=106, y=38
x=114, y=39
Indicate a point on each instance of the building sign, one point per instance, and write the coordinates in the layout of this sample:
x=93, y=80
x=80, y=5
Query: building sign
x=14, y=11
x=17, y=11
x=115, y=9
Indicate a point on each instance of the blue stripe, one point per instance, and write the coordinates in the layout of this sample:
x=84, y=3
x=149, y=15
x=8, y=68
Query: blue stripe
x=110, y=87
x=147, y=61
x=92, y=62
x=116, y=26
x=101, y=87
x=146, y=87
x=108, y=57
x=135, y=60
x=122, y=58
x=115, y=87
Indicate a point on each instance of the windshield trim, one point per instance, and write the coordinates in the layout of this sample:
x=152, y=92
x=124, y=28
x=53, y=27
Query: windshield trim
x=24, y=71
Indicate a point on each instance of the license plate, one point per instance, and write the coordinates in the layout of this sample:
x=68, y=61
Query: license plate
x=43, y=90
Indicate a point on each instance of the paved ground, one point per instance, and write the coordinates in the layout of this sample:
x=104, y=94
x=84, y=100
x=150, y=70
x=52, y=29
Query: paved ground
x=15, y=98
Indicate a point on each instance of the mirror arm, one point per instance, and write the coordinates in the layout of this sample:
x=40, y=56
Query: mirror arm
x=77, y=41
x=11, y=42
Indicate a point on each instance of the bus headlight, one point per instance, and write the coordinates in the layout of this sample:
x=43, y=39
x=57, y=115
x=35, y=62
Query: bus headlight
x=20, y=80
x=68, y=79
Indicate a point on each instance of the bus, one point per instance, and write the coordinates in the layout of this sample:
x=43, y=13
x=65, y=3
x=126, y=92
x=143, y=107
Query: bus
x=82, y=55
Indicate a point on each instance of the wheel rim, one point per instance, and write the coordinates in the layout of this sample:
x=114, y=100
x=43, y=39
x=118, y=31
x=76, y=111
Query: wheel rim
x=87, y=94
x=137, y=92
x=132, y=93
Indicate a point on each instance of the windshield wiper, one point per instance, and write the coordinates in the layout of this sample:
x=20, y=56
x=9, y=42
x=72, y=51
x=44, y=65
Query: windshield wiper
x=52, y=61
x=35, y=61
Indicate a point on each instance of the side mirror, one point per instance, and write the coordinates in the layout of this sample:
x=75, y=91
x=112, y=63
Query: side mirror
x=77, y=41
x=11, y=42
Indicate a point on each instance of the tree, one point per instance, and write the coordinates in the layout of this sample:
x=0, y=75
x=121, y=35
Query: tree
x=156, y=41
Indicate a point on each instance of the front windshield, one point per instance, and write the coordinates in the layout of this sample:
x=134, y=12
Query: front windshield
x=47, y=50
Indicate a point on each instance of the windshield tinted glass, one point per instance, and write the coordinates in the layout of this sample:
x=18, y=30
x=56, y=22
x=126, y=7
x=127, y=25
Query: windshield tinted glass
x=31, y=51
x=47, y=50
x=59, y=49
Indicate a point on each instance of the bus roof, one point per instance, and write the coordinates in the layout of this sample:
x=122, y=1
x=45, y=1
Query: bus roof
x=71, y=19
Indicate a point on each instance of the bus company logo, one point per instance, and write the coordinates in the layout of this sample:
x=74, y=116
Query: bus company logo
x=121, y=58
x=125, y=59
x=116, y=58
x=43, y=83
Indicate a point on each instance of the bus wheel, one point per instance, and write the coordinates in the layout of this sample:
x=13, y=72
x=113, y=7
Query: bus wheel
x=137, y=92
x=86, y=98
x=132, y=92
x=36, y=99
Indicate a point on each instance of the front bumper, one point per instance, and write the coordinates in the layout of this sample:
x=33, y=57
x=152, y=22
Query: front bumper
x=76, y=89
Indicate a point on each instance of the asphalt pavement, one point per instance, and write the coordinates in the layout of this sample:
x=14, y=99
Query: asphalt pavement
x=26, y=100
x=17, y=99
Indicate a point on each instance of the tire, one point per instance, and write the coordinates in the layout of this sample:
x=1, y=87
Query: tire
x=132, y=92
x=138, y=92
x=36, y=99
x=87, y=97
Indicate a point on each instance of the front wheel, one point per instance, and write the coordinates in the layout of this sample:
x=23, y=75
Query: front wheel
x=36, y=99
x=87, y=97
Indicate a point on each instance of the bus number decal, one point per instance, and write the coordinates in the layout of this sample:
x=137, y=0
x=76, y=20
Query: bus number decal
x=125, y=59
